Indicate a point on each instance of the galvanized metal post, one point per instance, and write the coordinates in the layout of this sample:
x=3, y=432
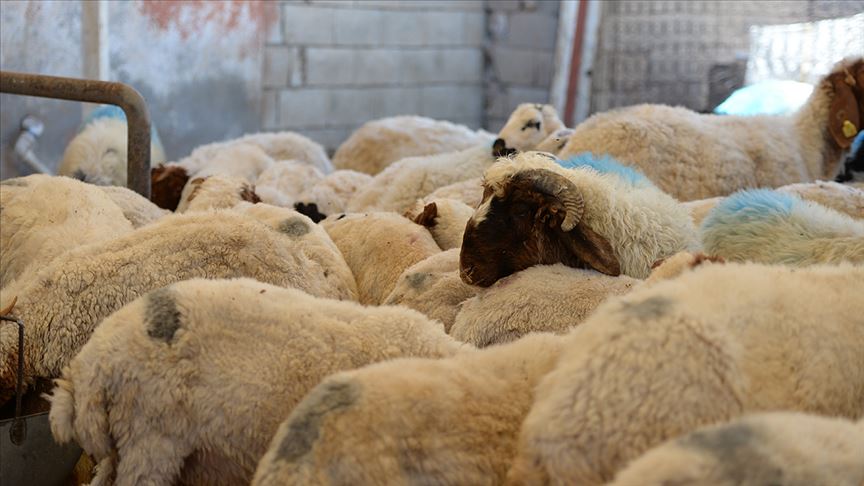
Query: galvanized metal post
x=120, y=94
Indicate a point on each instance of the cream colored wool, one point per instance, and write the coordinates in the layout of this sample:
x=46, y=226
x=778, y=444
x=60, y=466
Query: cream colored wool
x=42, y=216
x=694, y=156
x=276, y=145
x=770, y=448
x=805, y=234
x=529, y=125
x=555, y=142
x=378, y=247
x=63, y=302
x=469, y=191
x=715, y=343
x=413, y=421
x=641, y=223
x=700, y=208
x=215, y=192
x=448, y=224
x=221, y=363
x=136, y=208
x=379, y=143
x=402, y=183
x=842, y=198
x=433, y=287
x=677, y=264
x=97, y=154
x=548, y=298
x=332, y=193
x=282, y=183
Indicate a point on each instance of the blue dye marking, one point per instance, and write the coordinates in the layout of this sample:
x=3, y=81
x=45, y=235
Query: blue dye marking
x=606, y=165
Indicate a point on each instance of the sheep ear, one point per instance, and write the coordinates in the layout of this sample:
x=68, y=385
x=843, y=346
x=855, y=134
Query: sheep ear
x=593, y=249
x=247, y=193
x=844, y=119
x=166, y=186
x=427, y=217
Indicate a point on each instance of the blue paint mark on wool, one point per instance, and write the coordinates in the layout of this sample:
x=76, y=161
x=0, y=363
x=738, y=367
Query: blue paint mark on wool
x=857, y=143
x=606, y=165
x=116, y=113
x=751, y=205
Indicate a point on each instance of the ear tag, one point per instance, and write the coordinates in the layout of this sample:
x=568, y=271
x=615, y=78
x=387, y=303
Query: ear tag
x=849, y=129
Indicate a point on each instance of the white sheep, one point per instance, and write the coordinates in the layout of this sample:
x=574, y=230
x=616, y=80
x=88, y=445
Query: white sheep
x=136, y=208
x=188, y=383
x=529, y=125
x=772, y=227
x=378, y=247
x=216, y=192
x=379, y=143
x=444, y=218
x=469, y=191
x=593, y=213
x=548, y=298
x=694, y=156
x=413, y=421
x=767, y=448
x=399, y=186
x=331, y=194
x=42, y=216
x=433, y=287
x=62, y=302
x=279, y=146
x=555, y=142
x=282, y=183
x=712, y=344
x=97, y=154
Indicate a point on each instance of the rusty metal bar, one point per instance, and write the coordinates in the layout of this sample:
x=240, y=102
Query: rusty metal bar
x=119, y=94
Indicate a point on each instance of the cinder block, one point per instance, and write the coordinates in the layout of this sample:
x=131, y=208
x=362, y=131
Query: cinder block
x=302, y=24
x=281, y=67
x=270, y=110
x=532, y=29
x=303, y=107
x=330, y=138
x=452, y=102
x=354, y=27
x=399, y=101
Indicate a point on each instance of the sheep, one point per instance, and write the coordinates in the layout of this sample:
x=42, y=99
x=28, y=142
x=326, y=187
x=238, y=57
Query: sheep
x=444, y=218
x=281, y=183
x=412, y=421
x=555, y=142
x=136, y=208
x=469, y=191
x=767, y=448
x=42, y=216
x=215, y=192
x=771, y=227
x=529, y=125
x=332, y=193
x=839, y=197
x=547, y=298
x=62, y=302
x=714, y=343
x=378, y=247
x=222, y=363
x=97, y=154
x=248, y=157
x=399, y=186
x=694, y=156
x=379, y=143
x=700, y=208
x=535, y=211
x=433, y=287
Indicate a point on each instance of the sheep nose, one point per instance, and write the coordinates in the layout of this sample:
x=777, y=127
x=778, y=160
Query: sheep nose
x=499, y=148
x=465, y=274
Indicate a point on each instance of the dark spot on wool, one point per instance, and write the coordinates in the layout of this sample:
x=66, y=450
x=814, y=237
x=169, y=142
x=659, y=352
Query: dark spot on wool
x=305, y=424
x=416, y=280
x=80, y=175
x=294, y=227
x=161, y=315
x=650, y=308
x=738, y=452
x=310, y=210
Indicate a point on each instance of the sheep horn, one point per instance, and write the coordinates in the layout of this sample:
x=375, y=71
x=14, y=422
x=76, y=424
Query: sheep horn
x=555, y=185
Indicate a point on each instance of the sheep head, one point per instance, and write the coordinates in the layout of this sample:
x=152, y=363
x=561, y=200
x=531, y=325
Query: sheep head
x=166, y=185
x=534, y=218
x=846, y=113
x=528, y=125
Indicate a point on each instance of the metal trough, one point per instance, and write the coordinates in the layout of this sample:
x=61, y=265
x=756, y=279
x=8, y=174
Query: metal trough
x=93, y=91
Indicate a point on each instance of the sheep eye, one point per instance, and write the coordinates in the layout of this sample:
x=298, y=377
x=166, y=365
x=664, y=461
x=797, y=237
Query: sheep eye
x=532, y=124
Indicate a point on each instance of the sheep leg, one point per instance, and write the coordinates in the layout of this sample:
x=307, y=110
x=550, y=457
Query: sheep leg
x=151, y=458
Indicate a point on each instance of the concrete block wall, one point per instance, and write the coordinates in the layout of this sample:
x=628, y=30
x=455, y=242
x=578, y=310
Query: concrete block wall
x=330, y=66
x=661, y=51
x=520, y=54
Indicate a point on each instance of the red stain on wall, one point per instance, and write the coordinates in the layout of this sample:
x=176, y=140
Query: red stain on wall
x=188, y=16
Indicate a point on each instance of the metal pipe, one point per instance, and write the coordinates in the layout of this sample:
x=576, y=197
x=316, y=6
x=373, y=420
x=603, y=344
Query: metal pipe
x=31, y=130
x=119, y=94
